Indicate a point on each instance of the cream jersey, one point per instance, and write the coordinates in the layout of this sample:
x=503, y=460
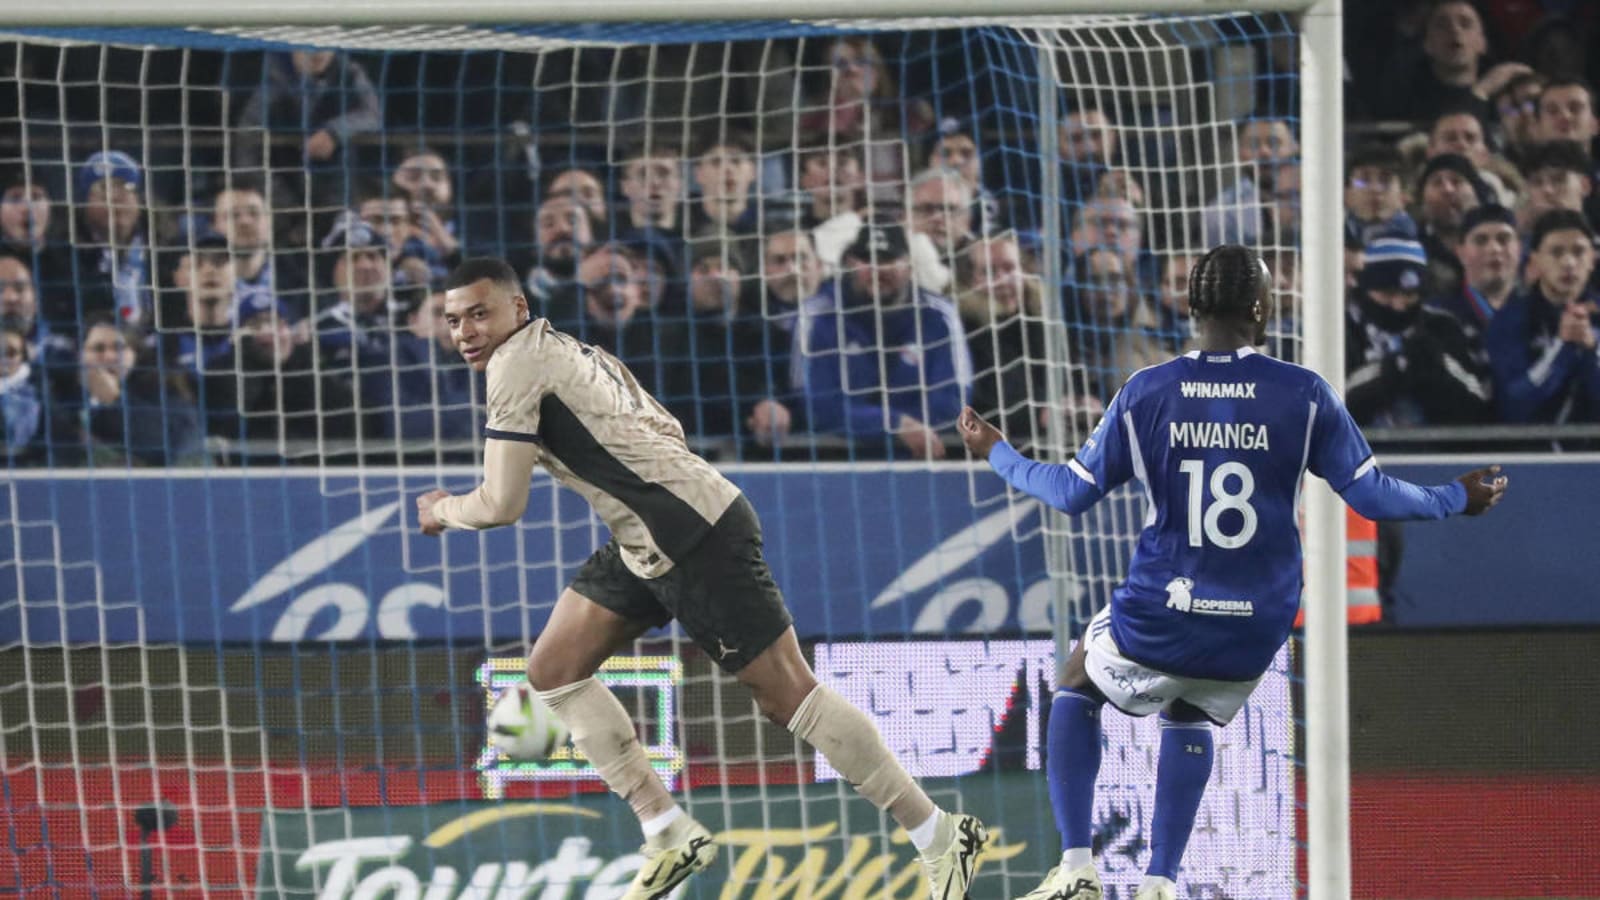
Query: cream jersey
x=599, y=433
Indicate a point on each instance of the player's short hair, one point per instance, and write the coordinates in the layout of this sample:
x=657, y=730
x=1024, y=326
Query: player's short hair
x=478, y=268
x=1226, y=283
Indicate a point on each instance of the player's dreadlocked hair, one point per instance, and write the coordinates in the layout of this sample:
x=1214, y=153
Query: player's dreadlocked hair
x=1225, y=283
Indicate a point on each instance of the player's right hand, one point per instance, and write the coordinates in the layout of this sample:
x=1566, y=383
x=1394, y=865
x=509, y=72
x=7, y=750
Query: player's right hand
x=1484, y=487
x=979, y=436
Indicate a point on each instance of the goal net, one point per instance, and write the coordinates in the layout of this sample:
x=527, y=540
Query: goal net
x=230, y=665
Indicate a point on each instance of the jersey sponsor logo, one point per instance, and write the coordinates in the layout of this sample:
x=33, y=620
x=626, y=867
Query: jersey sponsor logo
x=1218, y=435
x=1180, y=596
x=1215, y=390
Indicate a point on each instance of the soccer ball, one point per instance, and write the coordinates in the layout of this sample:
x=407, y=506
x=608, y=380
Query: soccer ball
x=522, y=727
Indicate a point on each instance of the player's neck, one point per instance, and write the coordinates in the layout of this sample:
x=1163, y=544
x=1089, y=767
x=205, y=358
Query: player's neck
x=1225, y=340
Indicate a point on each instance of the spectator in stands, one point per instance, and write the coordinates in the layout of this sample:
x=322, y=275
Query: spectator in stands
x=113, y=269
x=1111, y=328
x=240, y=212
x=357, y=323
x=1088, y=147
x=956, y=151
x=880, y=360
x=1449, y=188
x=1374, y=194
x=1451, y=71
x=581, y=186
x=386, y=212
x=20, y=406
x=425, y=391
x=733, y=359
x=1558, y=178
x=119, y=408
x=1116, y=225
x=1461, y=132
x=205, y=279
x=1263, y=146
x=1172, y=312
x=656, y=261
x=941, y=208
x=1489, y=251
x=792, y=274
x=1407, y=364
x=423, y=181
x=25, y=220
x=652, y=181
x=1517, y=106
x=861, y=106
x=1566, y=112
x=562, y=232
x=833, y=178
x=1120, y=184
x=1280, y=207
x=19, y=309
x=724, y=171
x=606, y=306
x=276, y=393
x=1000, y=306
x=322, y=97
x=1542, y=342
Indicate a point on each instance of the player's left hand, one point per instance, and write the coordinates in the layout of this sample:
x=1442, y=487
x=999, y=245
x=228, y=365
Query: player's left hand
x=979, y=436
x=430, y=526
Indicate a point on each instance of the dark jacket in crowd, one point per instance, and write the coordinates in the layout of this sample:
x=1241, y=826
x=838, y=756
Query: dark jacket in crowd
x=1416, y=367
x=1538, y=377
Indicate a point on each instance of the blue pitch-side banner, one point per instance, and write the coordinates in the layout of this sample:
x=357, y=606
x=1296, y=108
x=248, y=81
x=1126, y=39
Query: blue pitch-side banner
x=859, y=551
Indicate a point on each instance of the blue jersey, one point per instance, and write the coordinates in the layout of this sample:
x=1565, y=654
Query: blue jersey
x=1220, y=442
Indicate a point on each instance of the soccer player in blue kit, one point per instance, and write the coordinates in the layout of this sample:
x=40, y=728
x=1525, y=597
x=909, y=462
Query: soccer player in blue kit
x=1220, y=439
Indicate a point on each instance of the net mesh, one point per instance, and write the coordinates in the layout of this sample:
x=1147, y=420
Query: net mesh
x=231, y=665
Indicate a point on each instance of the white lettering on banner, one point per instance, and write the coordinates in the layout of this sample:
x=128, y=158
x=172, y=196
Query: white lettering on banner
x=353, y=605
x=515, y=880
x=347, y=856
x=756, y=860
x=1218, y=435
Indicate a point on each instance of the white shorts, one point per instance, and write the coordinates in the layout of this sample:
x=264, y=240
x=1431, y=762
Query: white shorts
x=1139, y=690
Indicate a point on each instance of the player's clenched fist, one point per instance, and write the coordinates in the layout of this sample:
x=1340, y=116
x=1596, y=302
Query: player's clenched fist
x=430, y=525
x=979, y=436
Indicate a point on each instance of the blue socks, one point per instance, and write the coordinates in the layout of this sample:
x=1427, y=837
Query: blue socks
x=1181, y=776
x=1072, y=764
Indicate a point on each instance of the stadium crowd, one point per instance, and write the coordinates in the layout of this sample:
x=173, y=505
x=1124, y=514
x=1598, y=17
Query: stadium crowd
x=858, y=273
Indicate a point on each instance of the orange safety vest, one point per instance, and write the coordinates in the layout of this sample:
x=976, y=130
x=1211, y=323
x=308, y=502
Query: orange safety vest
x=1361, y=604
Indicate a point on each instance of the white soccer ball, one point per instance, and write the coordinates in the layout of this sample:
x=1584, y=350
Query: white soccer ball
x=522, y=727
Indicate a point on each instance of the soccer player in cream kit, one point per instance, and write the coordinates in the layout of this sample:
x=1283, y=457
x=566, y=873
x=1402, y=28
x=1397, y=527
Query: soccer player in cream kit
x=685, y=544
x=1220, y=439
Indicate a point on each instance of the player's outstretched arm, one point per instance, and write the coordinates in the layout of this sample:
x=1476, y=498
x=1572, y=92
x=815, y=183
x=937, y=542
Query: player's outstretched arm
x=499, y=500
x=1381, y=497
x=1062, y=487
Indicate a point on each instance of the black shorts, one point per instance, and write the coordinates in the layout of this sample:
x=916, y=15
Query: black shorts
x=722, y=592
